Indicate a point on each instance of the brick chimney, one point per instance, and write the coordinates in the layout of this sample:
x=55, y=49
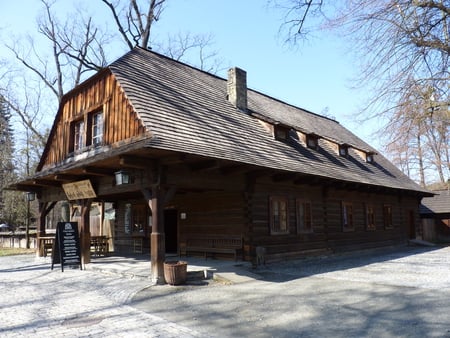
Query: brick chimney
x=237, y=88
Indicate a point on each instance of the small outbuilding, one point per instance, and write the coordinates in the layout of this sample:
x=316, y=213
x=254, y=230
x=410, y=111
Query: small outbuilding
x=435, y=215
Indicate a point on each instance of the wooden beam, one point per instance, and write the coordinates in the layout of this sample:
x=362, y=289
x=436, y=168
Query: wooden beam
x=148, y=198
x=204, y=165
x=158, y=246
x=127, y=161
x=283, y=177
x=311, y=180
x=98, y=171
x=234, y=169
x=66, y=178
x=44, y=183
x=85, y=235
x=174, y=159
x=44, y=209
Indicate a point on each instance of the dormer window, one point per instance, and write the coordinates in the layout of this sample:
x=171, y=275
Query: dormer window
x=312, y=141
x=281, y=133
x=343, y=150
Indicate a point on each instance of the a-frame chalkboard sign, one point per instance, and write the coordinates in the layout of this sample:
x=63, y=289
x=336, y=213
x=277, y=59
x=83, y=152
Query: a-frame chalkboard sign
x=66, y=247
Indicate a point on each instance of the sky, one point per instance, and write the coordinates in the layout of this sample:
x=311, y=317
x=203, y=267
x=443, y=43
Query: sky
x=316, y=75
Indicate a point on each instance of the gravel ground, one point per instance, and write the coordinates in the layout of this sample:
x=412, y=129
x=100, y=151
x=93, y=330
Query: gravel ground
x=397, y=292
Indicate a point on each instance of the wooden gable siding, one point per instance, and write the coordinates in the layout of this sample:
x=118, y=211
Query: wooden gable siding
x=120, y=121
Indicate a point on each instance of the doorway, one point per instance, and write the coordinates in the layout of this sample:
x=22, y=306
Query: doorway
x=171, y=230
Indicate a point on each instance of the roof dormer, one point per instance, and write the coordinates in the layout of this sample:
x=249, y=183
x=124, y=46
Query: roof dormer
x=312, y=141
x=370, y=157
x=343, y=150
x=281, y=132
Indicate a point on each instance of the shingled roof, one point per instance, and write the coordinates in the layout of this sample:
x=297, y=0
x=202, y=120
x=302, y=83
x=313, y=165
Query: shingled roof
x=438, y=204
x=186, y=110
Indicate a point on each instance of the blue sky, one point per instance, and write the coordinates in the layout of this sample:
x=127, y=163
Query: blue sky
x=315, y=76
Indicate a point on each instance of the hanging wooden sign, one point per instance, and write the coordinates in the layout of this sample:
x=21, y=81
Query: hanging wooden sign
x=66, y=247
x=79, y=190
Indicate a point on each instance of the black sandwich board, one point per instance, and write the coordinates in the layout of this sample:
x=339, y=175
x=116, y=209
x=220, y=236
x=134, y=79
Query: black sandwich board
x=66, y=247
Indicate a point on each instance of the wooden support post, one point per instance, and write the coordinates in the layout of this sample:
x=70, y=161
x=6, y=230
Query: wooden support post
x=44, y=209
x=85, y=233
x=158, y=245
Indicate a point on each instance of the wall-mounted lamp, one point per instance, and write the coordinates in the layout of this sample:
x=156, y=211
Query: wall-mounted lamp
x=31, y=196
x=122, y=177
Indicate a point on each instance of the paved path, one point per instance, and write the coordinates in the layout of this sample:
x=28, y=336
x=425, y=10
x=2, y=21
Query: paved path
x=38, y=302
x=404, y=292
x=401, y=292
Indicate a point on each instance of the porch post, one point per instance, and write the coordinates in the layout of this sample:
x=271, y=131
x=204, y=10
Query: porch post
x=44, y=209
x=158, y=246
x=40, y=228
x=85, y=234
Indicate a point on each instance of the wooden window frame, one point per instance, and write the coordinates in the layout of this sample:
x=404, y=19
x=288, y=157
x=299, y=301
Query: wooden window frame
x=347, y=217
x=303, y=211
x=93, y=135
x=387, y=216
x=370, y=218
x=77, y=136
x=278, y=219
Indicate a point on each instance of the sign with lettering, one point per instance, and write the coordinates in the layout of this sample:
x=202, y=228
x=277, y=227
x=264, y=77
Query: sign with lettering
x=66, y=247
x=79, y=190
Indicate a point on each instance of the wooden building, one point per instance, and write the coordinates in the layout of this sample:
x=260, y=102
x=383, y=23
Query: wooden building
x=435, y=216
x=200, y=165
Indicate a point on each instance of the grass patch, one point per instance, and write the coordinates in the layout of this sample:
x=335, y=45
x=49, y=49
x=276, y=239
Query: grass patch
x=15, y=251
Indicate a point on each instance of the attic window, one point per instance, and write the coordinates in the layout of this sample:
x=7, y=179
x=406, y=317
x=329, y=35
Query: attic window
x=343, y=150
x=281, y=133
x=312, y=141
x=77, y=135
x=95, y=129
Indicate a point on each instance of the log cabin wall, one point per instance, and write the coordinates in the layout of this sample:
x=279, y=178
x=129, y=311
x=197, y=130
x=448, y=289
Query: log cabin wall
x=120, y=121
x=361, y=236
x=212, y=213
x=328, y=233
x=294, y=243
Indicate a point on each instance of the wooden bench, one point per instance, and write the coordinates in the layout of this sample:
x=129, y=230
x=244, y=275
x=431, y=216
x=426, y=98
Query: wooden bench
x=212, y=244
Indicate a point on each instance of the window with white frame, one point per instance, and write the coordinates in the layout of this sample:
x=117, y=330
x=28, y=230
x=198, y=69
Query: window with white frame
x=78, y=135
x=97, y=129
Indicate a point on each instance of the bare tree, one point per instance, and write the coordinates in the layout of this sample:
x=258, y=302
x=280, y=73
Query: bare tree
x=133, y=22
x=74, y=48
x=402, y=45
x=179, y=46
x=417, y=134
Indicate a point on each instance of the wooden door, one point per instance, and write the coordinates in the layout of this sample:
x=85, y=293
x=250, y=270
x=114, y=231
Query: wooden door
x=171, y=230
